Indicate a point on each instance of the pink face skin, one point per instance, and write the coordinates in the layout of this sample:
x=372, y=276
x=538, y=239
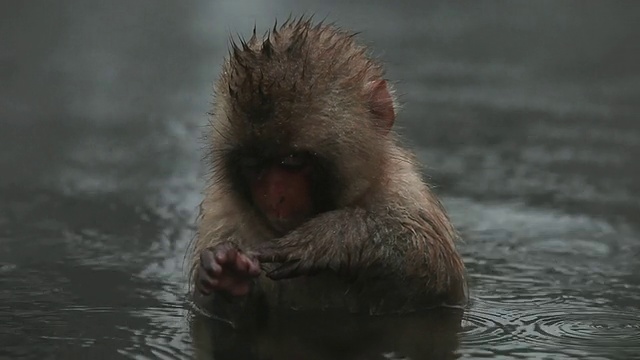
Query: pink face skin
x=282, y=193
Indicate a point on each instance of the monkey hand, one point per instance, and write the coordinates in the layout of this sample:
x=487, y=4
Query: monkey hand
x=293, y=259
x=226, y=269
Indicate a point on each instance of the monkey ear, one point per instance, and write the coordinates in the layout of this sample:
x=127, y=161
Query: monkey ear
x=381, y=104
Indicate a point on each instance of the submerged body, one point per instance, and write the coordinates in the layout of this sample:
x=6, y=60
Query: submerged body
x=312, y=203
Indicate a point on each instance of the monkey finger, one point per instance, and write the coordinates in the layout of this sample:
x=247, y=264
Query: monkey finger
x=240, y=264
x=226, y=255
x=205, y=283
x=252, y=254
x=209, y=263
x=254, y=268
x=247, y=266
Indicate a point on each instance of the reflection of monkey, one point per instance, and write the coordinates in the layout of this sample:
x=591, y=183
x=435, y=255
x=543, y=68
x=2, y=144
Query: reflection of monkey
x=309, y=181
x=318, y=335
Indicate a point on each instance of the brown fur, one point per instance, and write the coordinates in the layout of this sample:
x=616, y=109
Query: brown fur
x=388, y=239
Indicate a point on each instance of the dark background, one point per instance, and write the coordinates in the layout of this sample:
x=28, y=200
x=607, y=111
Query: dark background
x=524, y=113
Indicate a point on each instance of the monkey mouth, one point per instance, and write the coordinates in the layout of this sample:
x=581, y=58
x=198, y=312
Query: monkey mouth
x=283, y=225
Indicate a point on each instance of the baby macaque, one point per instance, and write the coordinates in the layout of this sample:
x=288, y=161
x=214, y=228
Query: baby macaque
x=312, y=202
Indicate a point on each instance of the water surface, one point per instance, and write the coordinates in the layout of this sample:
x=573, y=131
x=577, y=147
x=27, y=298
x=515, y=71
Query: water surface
x=525, y=115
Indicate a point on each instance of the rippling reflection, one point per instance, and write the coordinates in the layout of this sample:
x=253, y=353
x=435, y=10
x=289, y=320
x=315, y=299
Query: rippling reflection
x=552, y=285
x=429, y=335
x=561, y=328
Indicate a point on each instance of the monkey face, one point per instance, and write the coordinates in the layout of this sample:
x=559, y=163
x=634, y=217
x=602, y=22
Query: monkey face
x=309, y=113
x=285, y=188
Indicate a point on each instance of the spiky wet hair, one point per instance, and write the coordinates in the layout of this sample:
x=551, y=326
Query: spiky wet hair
x=302, y=86
x=294, y=58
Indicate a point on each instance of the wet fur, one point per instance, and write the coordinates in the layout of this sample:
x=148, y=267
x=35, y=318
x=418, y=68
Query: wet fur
x=386, y=238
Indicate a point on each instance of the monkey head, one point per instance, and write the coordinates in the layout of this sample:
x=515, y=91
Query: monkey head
x=302, y=122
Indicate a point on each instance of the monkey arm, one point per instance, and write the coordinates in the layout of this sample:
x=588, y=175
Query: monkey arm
x=354, y=241
x=335, y=240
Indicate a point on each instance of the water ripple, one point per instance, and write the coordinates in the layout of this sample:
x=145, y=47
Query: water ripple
x=486, y=325
x=587, y=329
x=565, y=328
